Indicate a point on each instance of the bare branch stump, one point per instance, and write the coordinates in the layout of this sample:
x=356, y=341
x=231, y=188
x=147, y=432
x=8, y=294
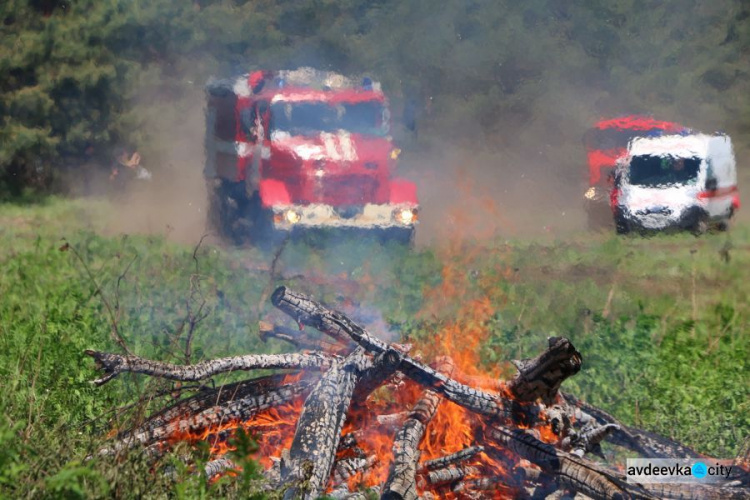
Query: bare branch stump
x=115, y=364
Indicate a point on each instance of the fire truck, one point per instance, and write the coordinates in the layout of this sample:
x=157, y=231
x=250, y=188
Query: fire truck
x=292, y=151
x=605, y=143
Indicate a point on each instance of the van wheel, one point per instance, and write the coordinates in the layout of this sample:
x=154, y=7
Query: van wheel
x=701, y=226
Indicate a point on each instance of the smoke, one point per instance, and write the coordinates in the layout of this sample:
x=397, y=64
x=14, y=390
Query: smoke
x=173, y=203
x=523, y=179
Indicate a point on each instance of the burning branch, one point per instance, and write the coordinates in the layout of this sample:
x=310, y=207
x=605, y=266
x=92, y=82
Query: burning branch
x=308, y=312
x=235, y=410
x=506, y=427
x=401, y=483
x=319, y=429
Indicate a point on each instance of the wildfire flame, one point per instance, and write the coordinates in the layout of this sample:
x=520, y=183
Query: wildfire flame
x=467, y=300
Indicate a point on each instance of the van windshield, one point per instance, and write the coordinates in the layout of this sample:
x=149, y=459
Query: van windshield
x=656, y=171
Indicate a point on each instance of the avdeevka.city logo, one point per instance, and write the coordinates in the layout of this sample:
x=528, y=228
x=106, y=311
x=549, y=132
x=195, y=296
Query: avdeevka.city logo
x=670, y=470
x=699, y=470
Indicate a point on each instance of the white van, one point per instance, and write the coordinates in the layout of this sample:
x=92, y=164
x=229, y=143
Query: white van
x=676, y=181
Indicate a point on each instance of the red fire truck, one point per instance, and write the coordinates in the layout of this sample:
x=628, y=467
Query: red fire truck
x=289, y=151
x=605, y=143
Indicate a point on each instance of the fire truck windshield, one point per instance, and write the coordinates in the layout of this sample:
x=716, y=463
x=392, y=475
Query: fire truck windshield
x=309, y=118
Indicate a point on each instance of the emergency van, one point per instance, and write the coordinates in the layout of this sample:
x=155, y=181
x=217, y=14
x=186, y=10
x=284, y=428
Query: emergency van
x=675, y=181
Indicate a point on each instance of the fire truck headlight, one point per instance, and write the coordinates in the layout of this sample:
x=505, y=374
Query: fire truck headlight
x=590, y=193
x=406, y=216
x=292, y=217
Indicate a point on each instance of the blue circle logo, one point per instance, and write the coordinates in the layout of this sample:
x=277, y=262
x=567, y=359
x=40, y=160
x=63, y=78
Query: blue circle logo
x=699, y=470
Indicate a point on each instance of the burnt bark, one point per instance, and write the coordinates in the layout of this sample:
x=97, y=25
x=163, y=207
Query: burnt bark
x=401, y=483
x=540, y=377
x=697, y=491
x=587, y=440
x=453, y=458
x=646, y=444
x=345, y=468
x=115, y=364
x=218, y=466
x=383, y=367
x=450, y=474
x=569, y=471
x=205, y=399
x=235, y=410
x=316, y=439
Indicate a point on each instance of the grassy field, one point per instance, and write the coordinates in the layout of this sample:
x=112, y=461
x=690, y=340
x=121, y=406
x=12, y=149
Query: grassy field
x=661, y=324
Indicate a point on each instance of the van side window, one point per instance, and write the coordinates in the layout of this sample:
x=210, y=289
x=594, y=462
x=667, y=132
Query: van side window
x=710, y=173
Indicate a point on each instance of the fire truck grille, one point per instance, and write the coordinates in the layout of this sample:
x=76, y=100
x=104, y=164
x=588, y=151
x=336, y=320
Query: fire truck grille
x=349, y=190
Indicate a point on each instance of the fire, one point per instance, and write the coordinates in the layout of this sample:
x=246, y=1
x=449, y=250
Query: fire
x=461, y=308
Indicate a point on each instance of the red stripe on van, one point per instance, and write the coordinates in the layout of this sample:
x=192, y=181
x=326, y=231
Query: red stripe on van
x=716, y=193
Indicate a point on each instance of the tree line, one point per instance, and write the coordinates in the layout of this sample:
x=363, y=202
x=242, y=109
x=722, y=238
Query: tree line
x=79, y=78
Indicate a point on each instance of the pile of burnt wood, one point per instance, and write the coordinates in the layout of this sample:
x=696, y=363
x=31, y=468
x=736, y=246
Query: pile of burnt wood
x=352, y=363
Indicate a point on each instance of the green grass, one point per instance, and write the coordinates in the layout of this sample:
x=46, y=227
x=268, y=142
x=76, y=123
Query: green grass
x=661, y=324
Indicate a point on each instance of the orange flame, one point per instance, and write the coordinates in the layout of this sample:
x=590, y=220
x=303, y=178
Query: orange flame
x=463, y=306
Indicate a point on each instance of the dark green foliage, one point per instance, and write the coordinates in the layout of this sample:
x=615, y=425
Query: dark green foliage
x=80, y=77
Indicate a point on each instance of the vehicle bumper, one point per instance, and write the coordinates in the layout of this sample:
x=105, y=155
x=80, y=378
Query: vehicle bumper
x=369, y=216
x=687, y=219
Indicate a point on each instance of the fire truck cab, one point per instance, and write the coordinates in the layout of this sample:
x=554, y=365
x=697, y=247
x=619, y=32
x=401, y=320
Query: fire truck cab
x=295, y=150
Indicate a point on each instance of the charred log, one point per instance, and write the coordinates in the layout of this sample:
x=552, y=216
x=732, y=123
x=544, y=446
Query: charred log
x=218, y=466
x=697, y=491
x=318, y=432
x=588, y=439
x=569, y=470
x=205, y=399
x=645, y=443
x=350, y=466
x=450, y=474
x=401, y=483
x=234, y=410
x=115, y=364
x=453, y=458
x=541, y=376
x=383, y=367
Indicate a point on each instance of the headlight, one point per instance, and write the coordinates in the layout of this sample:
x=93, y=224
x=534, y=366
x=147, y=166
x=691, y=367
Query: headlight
x=292, y=217
x=406, y=216
x=590, y=193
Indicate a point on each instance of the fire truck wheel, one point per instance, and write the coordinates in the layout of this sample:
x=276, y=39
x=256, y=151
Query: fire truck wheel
x=224, y=208
x=262, y=232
